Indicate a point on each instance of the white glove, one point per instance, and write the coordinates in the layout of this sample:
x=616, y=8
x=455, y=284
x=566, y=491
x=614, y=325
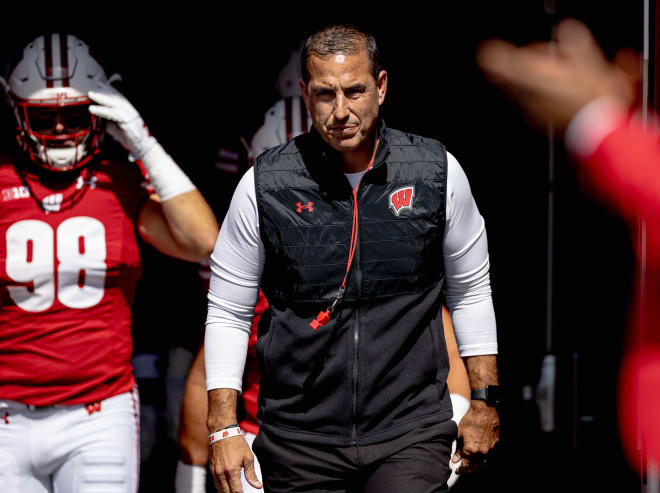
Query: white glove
x=126, y=126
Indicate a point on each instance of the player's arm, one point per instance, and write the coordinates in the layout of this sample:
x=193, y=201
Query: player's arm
x=190, y=473
x=457, y=380
x=182, y=227
x=192, y=430
x=180, y=223
x=458, y=384
x=469, y=300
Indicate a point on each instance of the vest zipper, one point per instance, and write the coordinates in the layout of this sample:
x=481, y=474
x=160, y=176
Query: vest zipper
x=324, y=316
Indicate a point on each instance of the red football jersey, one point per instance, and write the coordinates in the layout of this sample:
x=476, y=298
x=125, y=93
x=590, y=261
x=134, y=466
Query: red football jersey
x=68, y=270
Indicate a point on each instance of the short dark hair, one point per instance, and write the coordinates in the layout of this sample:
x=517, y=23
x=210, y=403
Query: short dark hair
x=340, y=38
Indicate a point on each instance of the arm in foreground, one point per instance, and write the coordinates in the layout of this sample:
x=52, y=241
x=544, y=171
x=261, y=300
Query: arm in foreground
x=572, y=84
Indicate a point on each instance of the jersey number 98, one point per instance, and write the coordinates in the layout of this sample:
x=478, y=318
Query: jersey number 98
x=79, y=279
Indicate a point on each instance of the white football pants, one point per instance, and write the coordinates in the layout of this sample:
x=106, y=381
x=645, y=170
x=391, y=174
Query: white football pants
x=70, y=449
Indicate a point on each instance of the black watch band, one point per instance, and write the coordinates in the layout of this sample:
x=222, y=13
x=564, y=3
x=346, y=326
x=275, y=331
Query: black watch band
x=491, y=394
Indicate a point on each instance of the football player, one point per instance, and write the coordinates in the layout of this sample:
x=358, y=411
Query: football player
x=69, y=221
x=286, y=119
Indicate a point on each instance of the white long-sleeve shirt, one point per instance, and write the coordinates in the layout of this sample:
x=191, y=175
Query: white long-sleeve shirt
x=238, y=259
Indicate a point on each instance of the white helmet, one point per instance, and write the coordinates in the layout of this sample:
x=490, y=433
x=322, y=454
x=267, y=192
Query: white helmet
x=48, y=93
x=287, y=78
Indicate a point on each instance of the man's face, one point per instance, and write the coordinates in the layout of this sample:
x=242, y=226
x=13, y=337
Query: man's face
x=343, y=99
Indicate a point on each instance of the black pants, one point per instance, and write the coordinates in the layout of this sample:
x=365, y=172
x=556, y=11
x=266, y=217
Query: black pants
x=417, y=462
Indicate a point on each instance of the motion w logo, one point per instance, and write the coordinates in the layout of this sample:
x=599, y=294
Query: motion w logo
x=94, y=407
x=402, y=199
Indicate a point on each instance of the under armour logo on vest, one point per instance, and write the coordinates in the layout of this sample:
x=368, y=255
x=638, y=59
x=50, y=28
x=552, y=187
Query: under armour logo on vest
x=308, y=206
x=402, y=199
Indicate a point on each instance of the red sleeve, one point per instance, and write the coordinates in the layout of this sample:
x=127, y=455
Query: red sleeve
x=624, y=172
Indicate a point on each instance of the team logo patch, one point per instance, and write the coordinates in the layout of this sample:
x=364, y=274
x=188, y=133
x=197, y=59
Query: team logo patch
x=402, y=199
x=94, y=407
x=53, y=202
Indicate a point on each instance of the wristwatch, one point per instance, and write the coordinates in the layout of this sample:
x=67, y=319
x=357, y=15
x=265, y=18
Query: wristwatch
x=491, y=394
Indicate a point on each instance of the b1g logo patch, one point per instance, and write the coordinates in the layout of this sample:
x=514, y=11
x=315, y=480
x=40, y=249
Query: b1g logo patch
x=402, y=199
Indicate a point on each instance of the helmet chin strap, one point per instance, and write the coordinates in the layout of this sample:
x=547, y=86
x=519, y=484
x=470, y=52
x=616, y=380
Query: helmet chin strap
x=64, y=157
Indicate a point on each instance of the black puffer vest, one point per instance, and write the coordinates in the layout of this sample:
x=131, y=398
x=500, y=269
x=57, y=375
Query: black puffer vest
x=378, y=368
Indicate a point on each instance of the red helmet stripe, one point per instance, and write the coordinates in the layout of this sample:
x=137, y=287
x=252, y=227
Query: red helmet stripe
x=287, y=118
x=48, y=53
x=64, y=59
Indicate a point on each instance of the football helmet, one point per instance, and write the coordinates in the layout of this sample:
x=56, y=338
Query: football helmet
x=48, y=92
x=287, y=78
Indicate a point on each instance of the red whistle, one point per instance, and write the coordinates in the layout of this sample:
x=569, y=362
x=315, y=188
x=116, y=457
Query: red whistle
x=321, y=319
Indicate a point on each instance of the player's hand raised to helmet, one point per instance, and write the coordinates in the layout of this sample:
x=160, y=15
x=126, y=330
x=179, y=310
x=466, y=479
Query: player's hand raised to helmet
x=226, y=459
x=126, y=126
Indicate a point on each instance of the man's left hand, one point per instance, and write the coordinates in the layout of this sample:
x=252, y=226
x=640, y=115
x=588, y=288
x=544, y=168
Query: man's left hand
x=478, y=432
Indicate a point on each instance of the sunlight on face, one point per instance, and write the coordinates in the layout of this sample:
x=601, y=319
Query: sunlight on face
x=343, y=99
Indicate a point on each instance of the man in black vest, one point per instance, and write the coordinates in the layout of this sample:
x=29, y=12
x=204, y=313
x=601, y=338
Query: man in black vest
x=354, y=232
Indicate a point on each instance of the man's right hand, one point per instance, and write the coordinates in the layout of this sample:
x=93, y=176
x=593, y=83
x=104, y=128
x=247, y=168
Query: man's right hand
x=226, y=459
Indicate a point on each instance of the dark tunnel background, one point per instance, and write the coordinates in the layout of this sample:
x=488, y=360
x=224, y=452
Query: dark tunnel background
x=203, y=79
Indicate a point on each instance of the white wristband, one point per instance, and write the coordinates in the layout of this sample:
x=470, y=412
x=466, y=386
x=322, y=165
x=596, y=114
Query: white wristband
x=165, y=175
x=224, y=433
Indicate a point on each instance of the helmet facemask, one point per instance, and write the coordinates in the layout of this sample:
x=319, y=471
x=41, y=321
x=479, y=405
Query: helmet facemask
x=59, y=134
